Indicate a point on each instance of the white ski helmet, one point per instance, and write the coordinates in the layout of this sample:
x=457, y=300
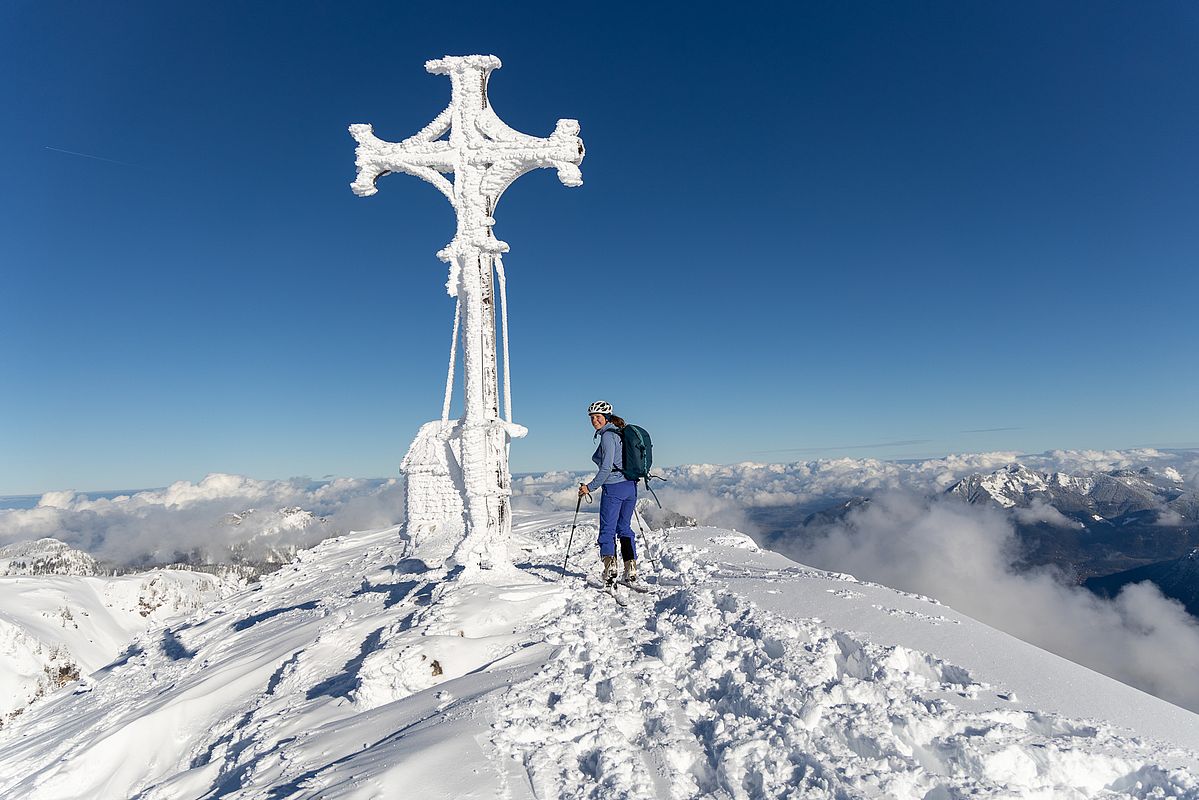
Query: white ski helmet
x=600, y=407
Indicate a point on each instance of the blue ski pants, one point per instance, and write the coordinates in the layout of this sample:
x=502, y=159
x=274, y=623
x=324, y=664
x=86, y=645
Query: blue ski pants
x=617, y=503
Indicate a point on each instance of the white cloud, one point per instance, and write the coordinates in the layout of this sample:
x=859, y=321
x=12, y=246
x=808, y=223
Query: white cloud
x=56, y=500
x=1170, y=518
x=1039, y=511
x=198, y=517
x=1100, y=460
x=706, y=509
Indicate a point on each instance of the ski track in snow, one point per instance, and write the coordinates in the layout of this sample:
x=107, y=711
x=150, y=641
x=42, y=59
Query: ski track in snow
x=359, y=670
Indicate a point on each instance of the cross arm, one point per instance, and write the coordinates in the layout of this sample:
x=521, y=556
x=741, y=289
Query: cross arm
x=418, y=155
x=562, y=149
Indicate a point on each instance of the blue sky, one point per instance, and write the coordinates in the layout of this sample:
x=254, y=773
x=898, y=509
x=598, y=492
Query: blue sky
x=867, y=229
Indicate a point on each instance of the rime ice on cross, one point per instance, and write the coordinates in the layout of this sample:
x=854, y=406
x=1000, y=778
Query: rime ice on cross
x=468, y=456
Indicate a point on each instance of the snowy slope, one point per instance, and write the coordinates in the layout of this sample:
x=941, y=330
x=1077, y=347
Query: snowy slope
x=55, y=628
x=362, y=672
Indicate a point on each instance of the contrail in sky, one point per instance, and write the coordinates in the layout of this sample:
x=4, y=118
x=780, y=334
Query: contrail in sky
x=86, y=155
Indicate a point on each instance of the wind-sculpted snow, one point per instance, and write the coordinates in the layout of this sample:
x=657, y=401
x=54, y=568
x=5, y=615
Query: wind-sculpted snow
x=55, y=628
x=365, y=671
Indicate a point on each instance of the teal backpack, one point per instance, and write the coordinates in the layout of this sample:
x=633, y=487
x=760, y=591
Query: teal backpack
x=638, y=456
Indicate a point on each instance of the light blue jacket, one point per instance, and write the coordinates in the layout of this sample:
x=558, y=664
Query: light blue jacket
x=609, y=457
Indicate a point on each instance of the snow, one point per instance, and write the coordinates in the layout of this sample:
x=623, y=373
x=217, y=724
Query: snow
x=433, y=497
x=54, y=628
x=363, y=669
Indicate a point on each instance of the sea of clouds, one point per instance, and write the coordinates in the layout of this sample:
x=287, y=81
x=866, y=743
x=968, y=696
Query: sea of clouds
x=725, y=494
x=909, y=537
x=753, y=485
x=211, y=518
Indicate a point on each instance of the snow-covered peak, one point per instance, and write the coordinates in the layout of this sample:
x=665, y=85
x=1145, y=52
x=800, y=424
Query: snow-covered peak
x=359, y=670
x=273, y=523
x=1009, y=486
x=45, y=557
x=1101, y=495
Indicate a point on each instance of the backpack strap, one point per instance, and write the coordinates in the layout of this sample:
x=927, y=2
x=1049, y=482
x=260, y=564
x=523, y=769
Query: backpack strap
x=619, y=438
x=651, y=489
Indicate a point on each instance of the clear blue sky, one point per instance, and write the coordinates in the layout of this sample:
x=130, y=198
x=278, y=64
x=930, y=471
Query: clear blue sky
x=882, y=229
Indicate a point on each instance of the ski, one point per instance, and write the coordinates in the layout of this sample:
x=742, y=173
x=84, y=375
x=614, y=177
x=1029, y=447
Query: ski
x=638, y=586
x=596, y=583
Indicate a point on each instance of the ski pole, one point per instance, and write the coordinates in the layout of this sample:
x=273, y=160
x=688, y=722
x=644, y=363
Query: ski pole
x=644, y=538
x=570, y=541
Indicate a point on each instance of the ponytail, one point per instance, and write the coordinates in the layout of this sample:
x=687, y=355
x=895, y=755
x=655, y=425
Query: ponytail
x=615, y=420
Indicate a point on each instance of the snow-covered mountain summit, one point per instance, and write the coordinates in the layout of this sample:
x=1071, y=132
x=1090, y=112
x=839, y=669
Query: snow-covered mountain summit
x=46, y=557
x=364, y=671
x=1101, y=494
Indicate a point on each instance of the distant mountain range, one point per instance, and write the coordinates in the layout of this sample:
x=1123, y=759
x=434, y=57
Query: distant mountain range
x=1095, y=523
x=1089, y=524
x=1115, y=497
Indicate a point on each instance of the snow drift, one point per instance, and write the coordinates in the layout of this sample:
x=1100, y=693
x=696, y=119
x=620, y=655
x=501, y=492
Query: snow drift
x=55, y=629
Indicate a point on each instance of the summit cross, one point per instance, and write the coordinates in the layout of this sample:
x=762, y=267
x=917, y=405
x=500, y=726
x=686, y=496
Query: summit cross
x=468, y=457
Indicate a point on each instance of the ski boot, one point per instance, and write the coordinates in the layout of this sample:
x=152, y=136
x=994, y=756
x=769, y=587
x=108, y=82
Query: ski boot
x=606, y=579
x=631, y=579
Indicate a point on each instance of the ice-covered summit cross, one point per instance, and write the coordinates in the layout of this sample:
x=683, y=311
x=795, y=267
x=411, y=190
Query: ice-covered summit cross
x=462, y=466
x=484, y=154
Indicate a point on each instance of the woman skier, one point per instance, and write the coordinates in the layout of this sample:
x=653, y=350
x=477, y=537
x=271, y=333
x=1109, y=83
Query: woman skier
x=618, y=499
